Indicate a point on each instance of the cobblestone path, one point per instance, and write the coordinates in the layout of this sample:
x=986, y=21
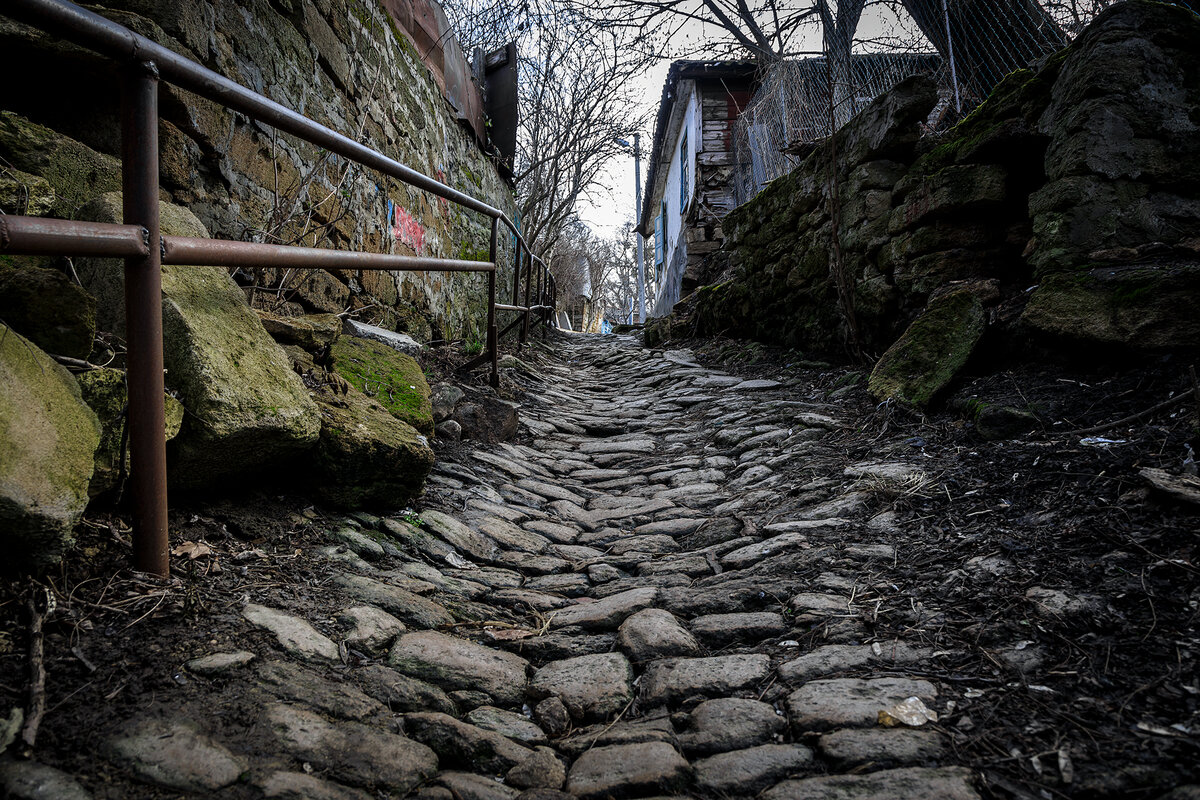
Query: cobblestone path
x=621, y=608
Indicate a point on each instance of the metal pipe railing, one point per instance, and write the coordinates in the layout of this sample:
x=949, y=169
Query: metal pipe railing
x=144, y=63
x=143, y=319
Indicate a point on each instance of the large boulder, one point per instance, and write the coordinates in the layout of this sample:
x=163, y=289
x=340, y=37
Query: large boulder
x=246, y=408
x=931, y=351
x=1123, y=159
x=392, y=378
x=1136, y=306
x=76, y=172
x=47, y=438
x=49, y=310
x=105, y=393
x=366, y=457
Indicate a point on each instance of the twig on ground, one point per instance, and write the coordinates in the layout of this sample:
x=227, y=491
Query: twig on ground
x=37, y=666
x=1133, y=417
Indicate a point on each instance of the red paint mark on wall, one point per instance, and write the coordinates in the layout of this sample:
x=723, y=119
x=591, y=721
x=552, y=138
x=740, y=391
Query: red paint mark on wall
x=406, y=229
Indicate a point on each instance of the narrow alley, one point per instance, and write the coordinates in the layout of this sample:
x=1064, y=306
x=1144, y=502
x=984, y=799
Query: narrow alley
x=680, y=583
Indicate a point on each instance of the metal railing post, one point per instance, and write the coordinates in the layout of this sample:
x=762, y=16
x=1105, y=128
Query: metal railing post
x=541, y=293
x=517, y=274
x=524, y=334
x=493, y=339
x=143, y=319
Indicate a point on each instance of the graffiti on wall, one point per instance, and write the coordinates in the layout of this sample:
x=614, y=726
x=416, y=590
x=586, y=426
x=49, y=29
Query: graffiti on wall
x=405, y=228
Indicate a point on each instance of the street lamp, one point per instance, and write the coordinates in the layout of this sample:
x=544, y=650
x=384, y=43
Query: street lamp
x=637, y=219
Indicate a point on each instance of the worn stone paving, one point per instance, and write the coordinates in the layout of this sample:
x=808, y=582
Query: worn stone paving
x=615, y=610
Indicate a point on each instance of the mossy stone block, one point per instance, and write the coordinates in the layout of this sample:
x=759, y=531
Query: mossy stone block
x=48, y=309
x=247, y=408
x=930, y=353
x=390, y=377
x=47, y=438
x=105, y=392
x=366, y=457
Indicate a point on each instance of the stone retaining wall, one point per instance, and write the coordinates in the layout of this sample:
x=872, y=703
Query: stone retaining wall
x=341, y=62
x=1068, y=205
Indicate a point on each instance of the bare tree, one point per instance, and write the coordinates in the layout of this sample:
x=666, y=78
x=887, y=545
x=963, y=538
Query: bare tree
x=576, y=99
x=989, y=38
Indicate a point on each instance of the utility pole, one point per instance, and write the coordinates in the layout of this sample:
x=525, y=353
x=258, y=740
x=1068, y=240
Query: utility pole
x=641, y=244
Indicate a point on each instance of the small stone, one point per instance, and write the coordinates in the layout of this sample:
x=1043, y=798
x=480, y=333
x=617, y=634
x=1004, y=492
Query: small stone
x=605, y=614
x=718, y=630
x=458, y=535
x=654, y=633
x=746, y=772
x=850, y=702
x=470, y=698
x=454, y=663
x=507, y=723
x=809, y=606
x=730, y=723
x=301, y=786
x=176, y=755
x=293, y=634
x=510, y=537
x=402, y=693
x=853, y=746
x=372, y=629
x=553, y=716
x=336, y=699
x=628, y=770
x=672, y=680
x=590, y=686
x=945, y=783
x=408, y=607
x=834, y=658
x=449, y=430
x=360, y=543
x=352, y=752
x=468, y=786
x=219, y=663
x=603, y=573
x=29, y=780
x=1055, y=604
x=460, y=744
x=542, y=770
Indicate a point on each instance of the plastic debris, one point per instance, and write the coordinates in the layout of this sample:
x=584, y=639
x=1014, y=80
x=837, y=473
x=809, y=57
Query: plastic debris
x=1100, y=441
x=911, y=712
x=458, y=562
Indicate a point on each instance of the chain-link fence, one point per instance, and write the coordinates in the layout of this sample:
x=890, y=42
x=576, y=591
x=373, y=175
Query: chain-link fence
x=966, y=46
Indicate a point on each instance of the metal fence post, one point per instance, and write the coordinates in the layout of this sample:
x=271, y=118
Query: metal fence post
x=493, y=339
x=517, y=274
x=524, y=335
x=143, y=319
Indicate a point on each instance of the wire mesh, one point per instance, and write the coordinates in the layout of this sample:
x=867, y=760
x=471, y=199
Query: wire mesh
x=966, y=46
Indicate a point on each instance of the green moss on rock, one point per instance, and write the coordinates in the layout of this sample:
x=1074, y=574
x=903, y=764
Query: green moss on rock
x=247, y=408
x=390, y=377
x=48, y=309
x=76, y=172
x=105, y=393
x=930, y=353
x=366, y=457
x=47, y=438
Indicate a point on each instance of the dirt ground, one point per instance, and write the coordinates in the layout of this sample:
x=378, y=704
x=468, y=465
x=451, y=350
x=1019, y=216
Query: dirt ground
x=1095, y=693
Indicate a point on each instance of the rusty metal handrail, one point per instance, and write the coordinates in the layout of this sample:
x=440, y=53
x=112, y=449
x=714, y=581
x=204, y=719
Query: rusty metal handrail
x=144, y=63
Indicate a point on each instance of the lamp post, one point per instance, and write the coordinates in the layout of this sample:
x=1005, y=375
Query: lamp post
x=641, y=245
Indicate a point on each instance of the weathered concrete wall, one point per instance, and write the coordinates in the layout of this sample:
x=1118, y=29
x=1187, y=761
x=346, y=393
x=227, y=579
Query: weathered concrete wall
x=1069, y=205
x=342, y=63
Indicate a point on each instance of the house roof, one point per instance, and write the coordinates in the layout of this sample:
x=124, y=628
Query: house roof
x=682, y=70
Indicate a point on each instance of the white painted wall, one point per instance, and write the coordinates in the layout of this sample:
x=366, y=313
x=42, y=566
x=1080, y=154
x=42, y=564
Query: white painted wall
x=668, y=293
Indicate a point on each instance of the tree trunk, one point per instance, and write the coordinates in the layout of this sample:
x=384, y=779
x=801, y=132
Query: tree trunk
x=990, y=38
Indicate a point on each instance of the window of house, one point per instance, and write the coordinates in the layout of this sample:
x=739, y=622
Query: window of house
x=660, y=231
x=684, y=165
